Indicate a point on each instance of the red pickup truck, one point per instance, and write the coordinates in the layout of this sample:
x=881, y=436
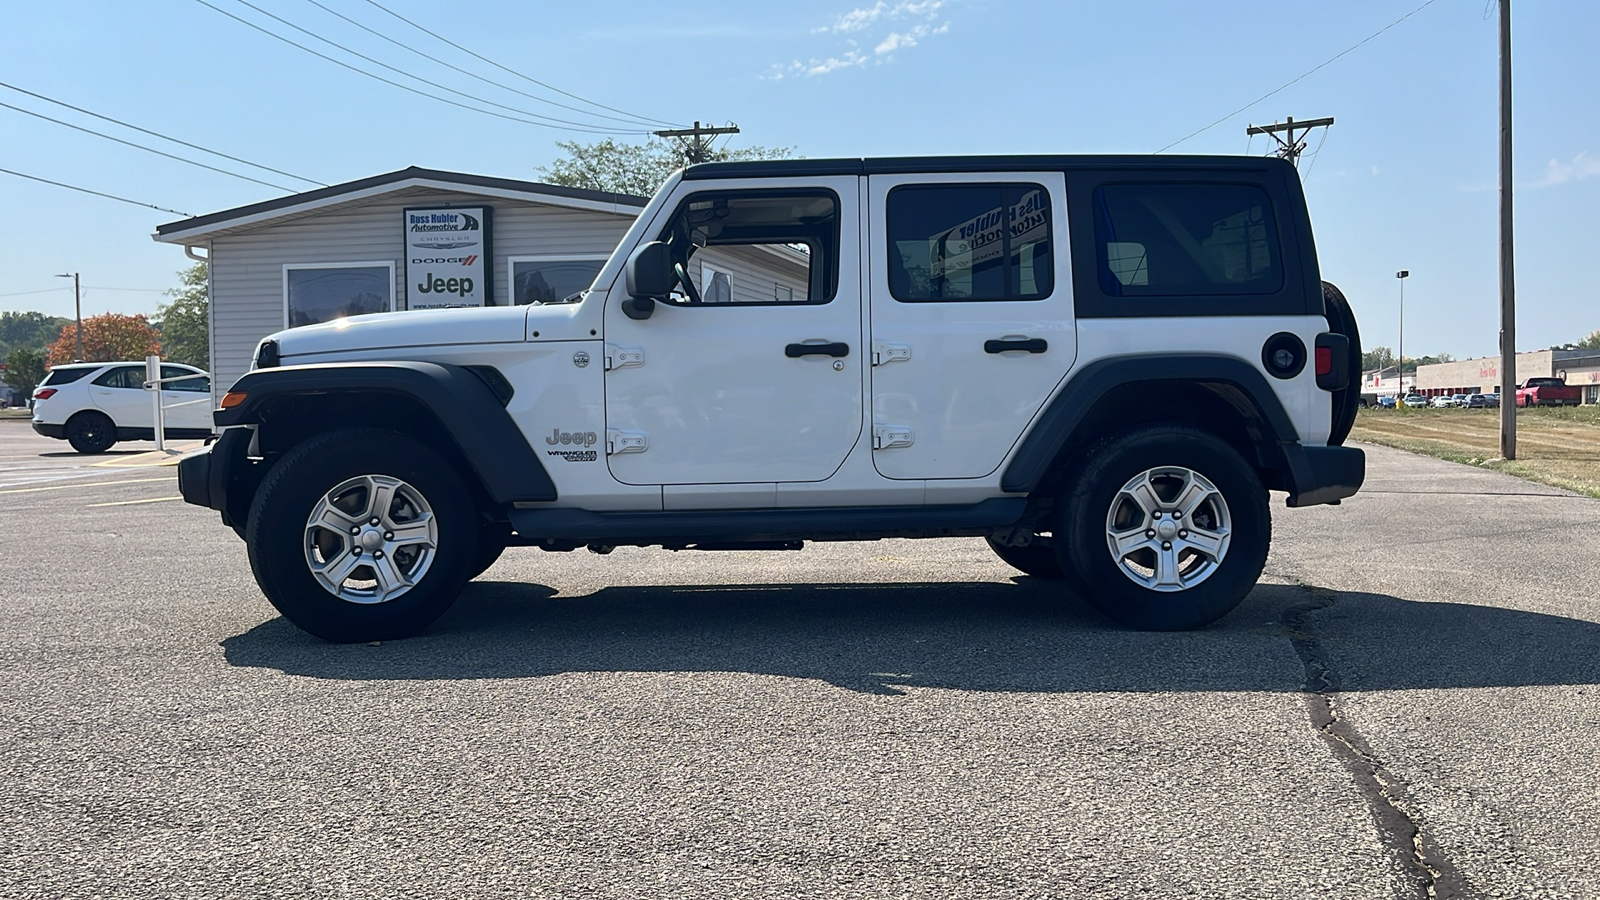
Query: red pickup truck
x=1548, y=392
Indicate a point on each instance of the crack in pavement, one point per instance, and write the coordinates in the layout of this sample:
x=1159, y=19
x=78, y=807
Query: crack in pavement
x=1418, y=854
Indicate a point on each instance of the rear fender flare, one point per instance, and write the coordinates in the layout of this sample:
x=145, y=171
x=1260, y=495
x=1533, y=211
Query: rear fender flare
x=1054, y=429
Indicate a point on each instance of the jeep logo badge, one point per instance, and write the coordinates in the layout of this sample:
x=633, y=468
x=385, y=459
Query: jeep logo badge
x=580, y=359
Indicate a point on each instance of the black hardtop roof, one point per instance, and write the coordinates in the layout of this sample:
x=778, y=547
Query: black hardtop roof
x=886, y=165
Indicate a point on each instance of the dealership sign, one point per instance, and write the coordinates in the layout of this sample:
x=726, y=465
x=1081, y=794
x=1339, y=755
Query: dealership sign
x=447, y=257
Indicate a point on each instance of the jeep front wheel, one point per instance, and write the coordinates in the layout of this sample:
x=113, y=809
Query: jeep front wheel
x=1169, y=528
x=362, y=535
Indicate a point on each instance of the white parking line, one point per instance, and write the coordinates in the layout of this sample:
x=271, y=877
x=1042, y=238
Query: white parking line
x=62, y=487
x=130, y=502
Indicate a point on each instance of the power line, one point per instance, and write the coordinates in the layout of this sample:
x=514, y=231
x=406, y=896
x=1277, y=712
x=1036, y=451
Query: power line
x=406, y=87
x=548, y=87
x=43, y=291
x=1294, y=81
x=470, y=74
x=158, y=134
x=405, y=74
x=29, y=112
x=73, y=187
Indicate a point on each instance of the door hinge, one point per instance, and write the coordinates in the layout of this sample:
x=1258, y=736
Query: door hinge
x=885, y=352
x=625, y=442
x=886, y=436
x=623, y=357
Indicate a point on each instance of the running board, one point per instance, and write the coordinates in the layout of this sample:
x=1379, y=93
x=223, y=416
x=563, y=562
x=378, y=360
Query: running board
x=735, y=526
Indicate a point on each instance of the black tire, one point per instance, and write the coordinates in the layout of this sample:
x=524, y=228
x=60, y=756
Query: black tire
x=1342, y=320
x=279, y=534
x=1037, y=559
x=1219, y=583
x=493, y=539
x=91, y=432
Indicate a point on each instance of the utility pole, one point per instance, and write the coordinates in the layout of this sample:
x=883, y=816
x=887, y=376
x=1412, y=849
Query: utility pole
x=1508, y=282
x=77, y=304
x=696, y=141
x=1291, y=147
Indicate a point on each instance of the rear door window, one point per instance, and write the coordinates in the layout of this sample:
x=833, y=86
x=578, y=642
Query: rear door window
x=122, y=377
x=1176, y=240
x=969, y=242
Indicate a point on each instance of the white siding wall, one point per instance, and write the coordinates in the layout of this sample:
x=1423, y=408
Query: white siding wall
x=755, y=272
x=247, y=268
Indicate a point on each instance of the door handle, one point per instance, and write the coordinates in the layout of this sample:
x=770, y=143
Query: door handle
x=838, y=348
x=1032, y=345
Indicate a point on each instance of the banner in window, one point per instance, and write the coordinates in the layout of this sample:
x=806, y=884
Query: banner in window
x=447, y=257
x=982, y=238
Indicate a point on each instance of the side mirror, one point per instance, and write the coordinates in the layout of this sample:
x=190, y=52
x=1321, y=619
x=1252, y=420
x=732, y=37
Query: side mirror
x=649, y=272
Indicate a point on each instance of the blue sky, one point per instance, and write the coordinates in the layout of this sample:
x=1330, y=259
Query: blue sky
x=1404, y=180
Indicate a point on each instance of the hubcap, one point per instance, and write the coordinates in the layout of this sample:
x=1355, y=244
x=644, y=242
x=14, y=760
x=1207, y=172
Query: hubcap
x=1168, y=528
x=371, y=539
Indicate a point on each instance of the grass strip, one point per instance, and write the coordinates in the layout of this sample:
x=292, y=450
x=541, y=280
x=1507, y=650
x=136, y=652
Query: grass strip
x=1559, y=447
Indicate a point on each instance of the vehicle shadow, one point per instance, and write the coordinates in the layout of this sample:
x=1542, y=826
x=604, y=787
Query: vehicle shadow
x=73, y=454
x=881, y=638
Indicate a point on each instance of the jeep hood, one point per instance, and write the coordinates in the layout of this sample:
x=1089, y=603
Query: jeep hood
x=413, y=328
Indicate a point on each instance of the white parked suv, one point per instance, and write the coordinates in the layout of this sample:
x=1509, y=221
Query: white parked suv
x=94, y=405
x=1102, y=365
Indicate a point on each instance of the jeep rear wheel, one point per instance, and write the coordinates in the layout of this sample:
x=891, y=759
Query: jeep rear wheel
x=1169, y=528
x=362, y=535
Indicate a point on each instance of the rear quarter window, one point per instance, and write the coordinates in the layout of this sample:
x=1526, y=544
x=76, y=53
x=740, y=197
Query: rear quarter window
x=58, y=377
x=1186, y=240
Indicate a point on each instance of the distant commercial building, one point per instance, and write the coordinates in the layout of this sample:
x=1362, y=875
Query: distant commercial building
x=1475, y=376
x=1387, y=382
x=412, y=239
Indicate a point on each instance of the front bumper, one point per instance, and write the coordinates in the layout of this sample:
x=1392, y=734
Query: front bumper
x=59, y=432
x=1324, y=474
x=205, y=478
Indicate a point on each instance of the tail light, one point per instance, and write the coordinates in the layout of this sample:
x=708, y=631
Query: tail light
x=44, y=393
x=1333, y=362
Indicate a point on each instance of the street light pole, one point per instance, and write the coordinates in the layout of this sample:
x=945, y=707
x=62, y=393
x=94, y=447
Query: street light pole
x=1399, y=365
x=77, y=307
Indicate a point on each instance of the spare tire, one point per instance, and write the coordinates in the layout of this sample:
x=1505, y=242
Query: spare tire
x=1342, y=320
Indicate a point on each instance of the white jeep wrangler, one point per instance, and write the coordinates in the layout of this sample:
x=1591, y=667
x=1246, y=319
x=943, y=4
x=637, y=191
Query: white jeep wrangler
x=1100, y=364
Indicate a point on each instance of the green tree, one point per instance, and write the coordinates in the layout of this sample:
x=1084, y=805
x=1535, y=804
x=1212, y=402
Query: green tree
x=1377, y=358
x=27, y=329
x=24, y=370
x=185, y=323
x=1592, y=342
x=636, y=169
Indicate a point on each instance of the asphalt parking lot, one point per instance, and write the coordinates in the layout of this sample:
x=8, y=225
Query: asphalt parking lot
x=1406, y=706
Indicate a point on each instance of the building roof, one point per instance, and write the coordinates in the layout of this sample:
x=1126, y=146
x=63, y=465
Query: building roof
x=200, y=228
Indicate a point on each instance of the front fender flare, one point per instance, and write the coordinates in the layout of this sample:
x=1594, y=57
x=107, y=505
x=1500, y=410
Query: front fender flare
x=474, y=419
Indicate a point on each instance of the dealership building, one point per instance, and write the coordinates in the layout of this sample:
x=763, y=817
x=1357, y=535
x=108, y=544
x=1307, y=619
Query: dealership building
x=1482, y=376
x=412, y=239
